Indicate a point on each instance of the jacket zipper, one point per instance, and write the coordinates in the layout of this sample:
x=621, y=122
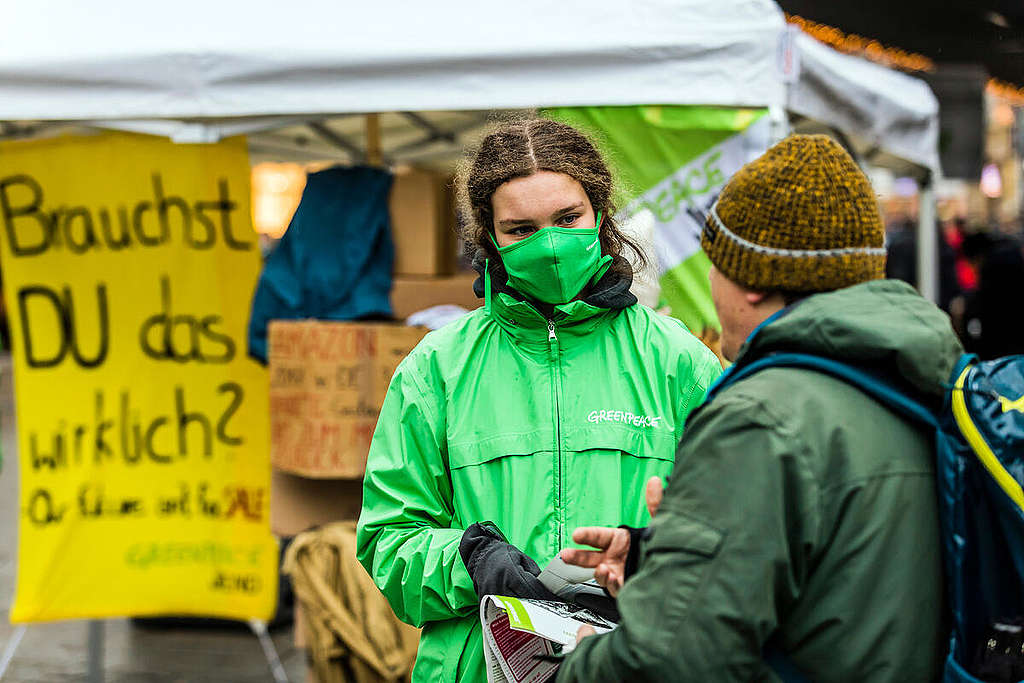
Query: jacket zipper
x=555, y=388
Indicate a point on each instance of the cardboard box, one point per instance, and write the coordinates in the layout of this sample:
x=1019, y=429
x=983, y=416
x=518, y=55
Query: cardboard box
x=300, y=503
x=412, y=294
x=423, y=223
x=327, y=384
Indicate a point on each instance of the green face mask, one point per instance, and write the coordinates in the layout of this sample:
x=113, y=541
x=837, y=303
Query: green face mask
x=554, y=264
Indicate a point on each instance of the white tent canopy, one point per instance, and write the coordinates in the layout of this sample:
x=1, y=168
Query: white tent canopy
x=198, y=60
x=200, y=69
x=879, y=110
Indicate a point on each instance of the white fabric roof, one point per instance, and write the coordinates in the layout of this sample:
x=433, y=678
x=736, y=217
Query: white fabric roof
x=877, y=108
x=201, y=59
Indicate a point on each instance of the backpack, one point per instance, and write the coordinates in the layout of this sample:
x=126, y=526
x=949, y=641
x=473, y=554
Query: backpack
x=979, y=443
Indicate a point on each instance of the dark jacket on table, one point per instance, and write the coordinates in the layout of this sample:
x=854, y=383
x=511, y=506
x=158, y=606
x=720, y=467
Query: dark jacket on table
x=801, y=515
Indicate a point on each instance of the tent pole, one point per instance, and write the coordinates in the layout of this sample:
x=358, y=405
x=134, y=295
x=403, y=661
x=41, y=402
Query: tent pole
x=927, y=243
x=434, y=132
x=10, y=649
x=373, y=155
x=332, y=137
x=95, y=649
x=259, y=629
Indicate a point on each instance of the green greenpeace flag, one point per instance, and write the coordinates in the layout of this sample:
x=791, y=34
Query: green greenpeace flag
x=673, y=161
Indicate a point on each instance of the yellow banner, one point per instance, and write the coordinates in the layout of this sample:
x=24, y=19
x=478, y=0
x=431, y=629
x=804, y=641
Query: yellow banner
x=129, y=264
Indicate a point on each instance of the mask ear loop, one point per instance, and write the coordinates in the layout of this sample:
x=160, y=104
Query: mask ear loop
x=606, y=261
x=487, y=287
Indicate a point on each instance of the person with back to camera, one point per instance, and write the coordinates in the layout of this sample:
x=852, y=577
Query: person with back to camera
x=800, y=537
x=543, y=410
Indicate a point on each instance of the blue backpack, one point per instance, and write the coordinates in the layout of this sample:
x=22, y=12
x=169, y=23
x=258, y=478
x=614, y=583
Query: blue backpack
x=979, y=441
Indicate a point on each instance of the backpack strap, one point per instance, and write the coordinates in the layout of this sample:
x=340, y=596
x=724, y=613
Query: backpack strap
x=876, y=388
x=777, y=661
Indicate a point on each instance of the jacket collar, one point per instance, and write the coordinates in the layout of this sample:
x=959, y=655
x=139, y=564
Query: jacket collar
x=527, y=321
x=880, y=326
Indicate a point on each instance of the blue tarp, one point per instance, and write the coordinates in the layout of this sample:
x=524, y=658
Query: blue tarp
x=335, y=260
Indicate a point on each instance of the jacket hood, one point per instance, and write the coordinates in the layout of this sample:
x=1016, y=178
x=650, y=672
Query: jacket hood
x=883, y=326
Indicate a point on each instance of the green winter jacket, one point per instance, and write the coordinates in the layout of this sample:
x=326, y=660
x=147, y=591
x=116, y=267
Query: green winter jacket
x=539, y=426
x=801, y=516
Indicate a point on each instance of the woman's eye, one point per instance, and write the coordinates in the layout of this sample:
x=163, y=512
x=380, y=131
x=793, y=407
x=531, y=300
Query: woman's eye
x=523, y=231
x=568, y=219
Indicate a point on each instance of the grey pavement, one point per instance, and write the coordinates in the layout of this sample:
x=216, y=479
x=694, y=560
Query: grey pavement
x=56, y=652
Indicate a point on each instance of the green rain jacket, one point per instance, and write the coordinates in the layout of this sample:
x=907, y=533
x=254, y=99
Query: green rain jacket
x=538, y=425
x=802, y=515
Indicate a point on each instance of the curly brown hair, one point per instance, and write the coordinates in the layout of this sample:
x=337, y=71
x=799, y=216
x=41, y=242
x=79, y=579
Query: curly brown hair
x=523, y=147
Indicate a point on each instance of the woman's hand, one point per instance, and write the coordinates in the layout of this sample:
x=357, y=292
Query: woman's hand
x=499, y=568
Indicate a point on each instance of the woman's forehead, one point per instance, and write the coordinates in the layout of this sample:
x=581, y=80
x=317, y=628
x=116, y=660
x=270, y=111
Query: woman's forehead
x=540, y=195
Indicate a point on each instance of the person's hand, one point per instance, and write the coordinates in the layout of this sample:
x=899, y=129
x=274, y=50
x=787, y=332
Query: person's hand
x=584, y=632
x=609, y=563
x=653, y=493
x=499, y=568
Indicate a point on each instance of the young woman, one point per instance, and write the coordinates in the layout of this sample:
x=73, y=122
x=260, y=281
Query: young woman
x=544, y=410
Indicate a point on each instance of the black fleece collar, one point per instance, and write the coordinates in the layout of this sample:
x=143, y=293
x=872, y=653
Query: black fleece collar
x=611, y=291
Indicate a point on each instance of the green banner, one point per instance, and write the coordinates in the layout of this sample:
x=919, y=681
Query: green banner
x=672, y=161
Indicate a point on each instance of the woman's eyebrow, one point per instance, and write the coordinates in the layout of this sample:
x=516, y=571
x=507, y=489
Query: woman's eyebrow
x=574, y=207
x=516, y=221
x=529, y=221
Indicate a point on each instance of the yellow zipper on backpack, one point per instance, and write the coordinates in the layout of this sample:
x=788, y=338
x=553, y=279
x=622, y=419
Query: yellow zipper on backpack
x=979, y=445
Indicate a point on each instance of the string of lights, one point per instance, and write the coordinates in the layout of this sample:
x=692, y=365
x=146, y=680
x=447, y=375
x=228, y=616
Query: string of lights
x=851, y=43
x=873, y=50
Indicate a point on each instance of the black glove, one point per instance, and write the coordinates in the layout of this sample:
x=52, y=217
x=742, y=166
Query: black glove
x=498, y=568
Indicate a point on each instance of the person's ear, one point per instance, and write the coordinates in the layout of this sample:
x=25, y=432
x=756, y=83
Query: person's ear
x=755, y=298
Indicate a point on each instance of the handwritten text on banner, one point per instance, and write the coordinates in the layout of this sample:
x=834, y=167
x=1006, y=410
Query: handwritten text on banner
x=129, y=264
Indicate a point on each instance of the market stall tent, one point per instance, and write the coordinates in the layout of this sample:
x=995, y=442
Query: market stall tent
x=237, y=68
x=202, y=70
x=889, y=118
x=293, y=77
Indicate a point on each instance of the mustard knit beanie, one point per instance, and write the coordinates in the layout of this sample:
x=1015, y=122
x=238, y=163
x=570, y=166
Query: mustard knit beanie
x=800, y=218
